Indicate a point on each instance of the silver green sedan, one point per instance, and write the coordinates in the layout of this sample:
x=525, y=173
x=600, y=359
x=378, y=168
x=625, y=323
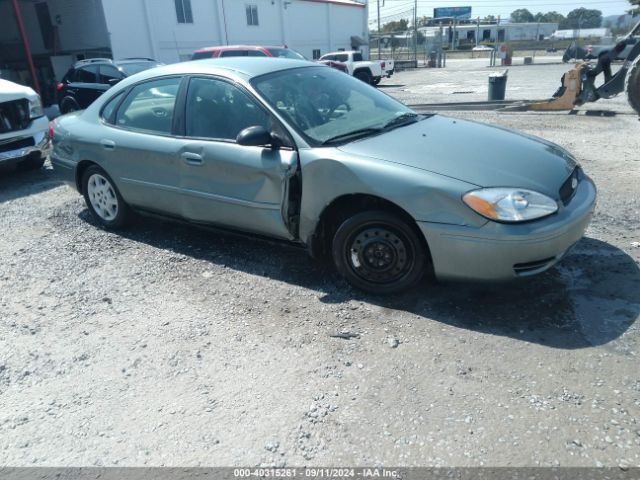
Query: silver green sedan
x=301, y=152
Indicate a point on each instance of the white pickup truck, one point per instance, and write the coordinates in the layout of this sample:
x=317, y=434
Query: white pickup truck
x=368, y=71
x=24, y=130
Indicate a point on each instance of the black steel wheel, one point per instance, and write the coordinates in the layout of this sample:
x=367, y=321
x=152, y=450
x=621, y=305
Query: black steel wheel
x=378, y=252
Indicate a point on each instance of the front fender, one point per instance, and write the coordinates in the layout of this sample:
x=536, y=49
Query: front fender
x=328, y=174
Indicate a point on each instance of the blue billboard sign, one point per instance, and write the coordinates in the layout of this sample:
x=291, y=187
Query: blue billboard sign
x=461, y=13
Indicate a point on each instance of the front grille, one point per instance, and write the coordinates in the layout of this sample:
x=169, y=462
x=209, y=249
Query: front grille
x=569, y=187
x=16, y=144
x=14, y=115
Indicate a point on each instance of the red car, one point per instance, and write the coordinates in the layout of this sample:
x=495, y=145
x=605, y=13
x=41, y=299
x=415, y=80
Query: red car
x=257, y=51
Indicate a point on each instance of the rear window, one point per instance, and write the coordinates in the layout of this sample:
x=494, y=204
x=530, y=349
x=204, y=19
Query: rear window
x=285, y=53
x=357, y=57
x=201, y=55
x=342, y=57
x=133, y=68
x=234, y=53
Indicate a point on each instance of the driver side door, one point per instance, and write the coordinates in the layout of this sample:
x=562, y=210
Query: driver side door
x=242, y=187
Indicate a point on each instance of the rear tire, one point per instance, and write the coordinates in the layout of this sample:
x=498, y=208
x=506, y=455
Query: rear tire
x=364, y=76
x=103, y=198
x=376, y=81
x=378, y=252
x=633, y=85
x=68, y=105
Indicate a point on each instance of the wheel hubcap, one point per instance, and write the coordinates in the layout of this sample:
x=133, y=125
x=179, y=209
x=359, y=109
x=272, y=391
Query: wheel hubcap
x=380, y=255
x=102, y=197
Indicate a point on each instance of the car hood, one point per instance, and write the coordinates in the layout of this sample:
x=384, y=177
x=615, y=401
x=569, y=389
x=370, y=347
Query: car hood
x=12, y=91
x=482, y=155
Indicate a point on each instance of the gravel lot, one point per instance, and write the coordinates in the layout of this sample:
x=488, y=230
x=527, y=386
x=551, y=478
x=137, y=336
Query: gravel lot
x=171, y=345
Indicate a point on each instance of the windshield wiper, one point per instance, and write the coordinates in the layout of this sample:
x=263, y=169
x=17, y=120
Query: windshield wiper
x=362, y=132
x=401, y=120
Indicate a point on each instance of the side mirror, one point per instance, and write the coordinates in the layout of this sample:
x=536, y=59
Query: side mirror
x=255, y=137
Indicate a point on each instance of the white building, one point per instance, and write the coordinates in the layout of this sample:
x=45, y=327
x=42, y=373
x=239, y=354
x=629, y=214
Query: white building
x=170, y=30
x=503, y=32
x=582, y=33
x=62, y=31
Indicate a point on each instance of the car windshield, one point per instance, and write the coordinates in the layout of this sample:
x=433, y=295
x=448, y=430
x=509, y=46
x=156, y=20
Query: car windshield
x=285, y=53
x=133, y=68
x=326, y=106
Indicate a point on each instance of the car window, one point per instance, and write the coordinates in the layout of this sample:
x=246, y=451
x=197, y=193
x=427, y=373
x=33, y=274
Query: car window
x=219, y=110
x=234, y=53
x=131, y=68
x=323, y=103
x=285, y=53
x=328, y=57
x=343, y=57
x=109, y=74
x=256, y=53
x=201, y=55
x=110, y=106
x=357, y=57
x=87, y=74
x=150, y=106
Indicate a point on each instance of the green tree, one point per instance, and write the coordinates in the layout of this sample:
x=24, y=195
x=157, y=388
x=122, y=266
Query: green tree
x=636, y=7
x=549, y=17
x=401, y=25
x=582, y=18
x=489, y=19
x=522, y=15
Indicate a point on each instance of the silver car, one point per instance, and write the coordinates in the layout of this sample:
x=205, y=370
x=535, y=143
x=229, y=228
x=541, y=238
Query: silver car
x=301, y=152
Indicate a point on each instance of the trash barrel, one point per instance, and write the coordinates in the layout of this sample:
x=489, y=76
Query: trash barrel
x=497, y=85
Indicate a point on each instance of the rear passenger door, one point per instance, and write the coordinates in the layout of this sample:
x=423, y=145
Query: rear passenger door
x=85, y=86
x=141, y=154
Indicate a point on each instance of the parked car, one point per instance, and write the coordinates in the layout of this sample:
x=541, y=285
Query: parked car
x=303, y=153
x=24, y=129
x=368, y=71
x=258, y=51
x=246, y=51
x=88, y=79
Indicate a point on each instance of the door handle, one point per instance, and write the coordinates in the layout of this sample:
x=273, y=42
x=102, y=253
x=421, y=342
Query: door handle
x=191, y=158
x=108, y=144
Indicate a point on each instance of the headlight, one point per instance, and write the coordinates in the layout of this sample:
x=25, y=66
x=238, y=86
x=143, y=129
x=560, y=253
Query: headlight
x=510, y=204
x=35, y=108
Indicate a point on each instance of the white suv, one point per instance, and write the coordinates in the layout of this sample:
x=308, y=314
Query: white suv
x=24, y=129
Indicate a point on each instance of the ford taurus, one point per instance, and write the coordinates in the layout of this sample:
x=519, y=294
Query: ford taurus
x=301, y=152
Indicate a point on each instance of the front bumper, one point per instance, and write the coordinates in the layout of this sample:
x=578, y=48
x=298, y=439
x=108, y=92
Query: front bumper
x=497, y=251
x=19, y=145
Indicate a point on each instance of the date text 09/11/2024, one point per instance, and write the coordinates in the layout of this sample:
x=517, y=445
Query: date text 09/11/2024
x=315, y=473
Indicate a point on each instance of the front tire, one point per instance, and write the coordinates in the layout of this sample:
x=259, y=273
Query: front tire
x=103, y=198
x=378, y=252
x=633, y=85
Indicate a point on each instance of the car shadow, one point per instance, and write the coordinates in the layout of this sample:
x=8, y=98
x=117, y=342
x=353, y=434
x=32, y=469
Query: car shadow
x=589, y=299
x=391, y=85
x=16, y=183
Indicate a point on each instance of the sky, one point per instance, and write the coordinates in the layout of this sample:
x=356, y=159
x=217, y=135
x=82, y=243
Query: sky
x=396, y=9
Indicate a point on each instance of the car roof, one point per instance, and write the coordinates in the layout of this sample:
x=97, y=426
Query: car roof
x=244, y=67
x=238, y=47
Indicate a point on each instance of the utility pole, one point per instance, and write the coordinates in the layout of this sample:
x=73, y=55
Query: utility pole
x=415, y=32
x=25, y=44
x=379, y=32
